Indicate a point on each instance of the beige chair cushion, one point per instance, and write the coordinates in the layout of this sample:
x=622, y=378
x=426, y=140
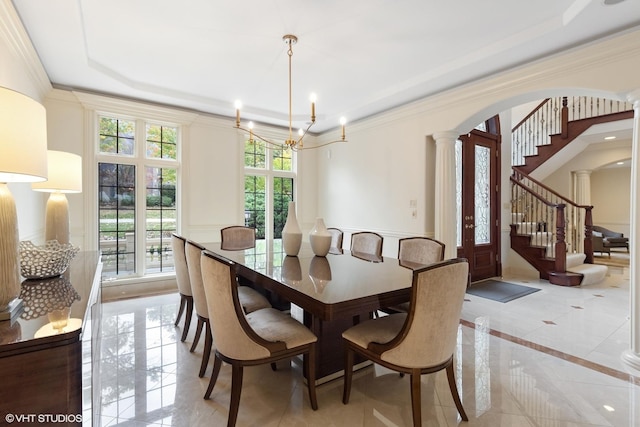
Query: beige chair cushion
x=251, y=300
x=366, y=243
x=420, y=251
x=238, y=237
x=180, y=262
x=380, y=330
x=195, y=277
x=274, y=325
x=431, y=335
x=228, y=334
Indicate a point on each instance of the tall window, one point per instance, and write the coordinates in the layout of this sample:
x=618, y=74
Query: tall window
x=137, y=189
x=268, y=188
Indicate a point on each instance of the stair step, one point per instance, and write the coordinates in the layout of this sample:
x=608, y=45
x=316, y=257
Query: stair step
x=592, y=273
x=575, y=259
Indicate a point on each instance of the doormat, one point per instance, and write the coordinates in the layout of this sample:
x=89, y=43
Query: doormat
x=500, y=291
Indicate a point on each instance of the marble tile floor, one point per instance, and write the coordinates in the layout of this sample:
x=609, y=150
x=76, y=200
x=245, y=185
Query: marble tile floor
x=551, y=358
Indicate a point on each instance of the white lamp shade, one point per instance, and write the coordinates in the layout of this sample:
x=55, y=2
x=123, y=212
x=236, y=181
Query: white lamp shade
x=23, y=138
x=65, y=173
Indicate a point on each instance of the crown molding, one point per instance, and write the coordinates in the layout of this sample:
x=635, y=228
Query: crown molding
x=13, y=32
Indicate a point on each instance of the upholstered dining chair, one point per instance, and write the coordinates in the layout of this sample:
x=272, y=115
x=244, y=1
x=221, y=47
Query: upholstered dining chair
x=367, y=243
x=421, y=341
x=263, y=336
x=414, y=252
x=336, y=237
x=417, y=252
x=238, y=237
x=184, y=284
x=250, y=300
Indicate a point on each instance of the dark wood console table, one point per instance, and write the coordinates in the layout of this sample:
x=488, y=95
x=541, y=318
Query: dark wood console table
x=46, y=353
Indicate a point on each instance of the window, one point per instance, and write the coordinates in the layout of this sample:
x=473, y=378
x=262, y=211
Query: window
x=268, y=188
x=137, y=192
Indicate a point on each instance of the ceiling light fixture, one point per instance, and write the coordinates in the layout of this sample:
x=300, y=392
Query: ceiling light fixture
x=290, y=142
x=608, y=138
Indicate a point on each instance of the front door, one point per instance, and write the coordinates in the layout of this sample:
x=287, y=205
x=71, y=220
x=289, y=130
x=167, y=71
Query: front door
x=479, y=203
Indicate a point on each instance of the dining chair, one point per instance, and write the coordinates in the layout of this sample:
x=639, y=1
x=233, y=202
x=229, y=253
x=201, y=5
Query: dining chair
x=263, y=336
x=414, y=253
x=336, y=237
x=184, y=284
x=367, y=243
x=421, y=341
x=238, y=237
x=250, y=300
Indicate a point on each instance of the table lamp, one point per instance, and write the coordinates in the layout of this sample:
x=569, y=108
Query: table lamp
x=23, y=158
x=65, y=176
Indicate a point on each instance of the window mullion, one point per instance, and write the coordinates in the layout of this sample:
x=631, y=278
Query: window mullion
x=141, y=192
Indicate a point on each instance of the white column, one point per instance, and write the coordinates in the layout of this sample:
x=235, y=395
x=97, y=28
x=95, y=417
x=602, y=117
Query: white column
x=583, y=197
x=632, y=356
x=445, y=191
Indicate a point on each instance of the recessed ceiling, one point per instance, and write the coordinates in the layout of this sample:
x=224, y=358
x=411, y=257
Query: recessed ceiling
x=360, y=57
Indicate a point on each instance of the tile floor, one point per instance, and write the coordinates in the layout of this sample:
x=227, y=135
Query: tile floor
x=551, y=358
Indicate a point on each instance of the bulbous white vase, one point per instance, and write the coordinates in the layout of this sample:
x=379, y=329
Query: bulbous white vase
x=320, y=238
x=291, y=233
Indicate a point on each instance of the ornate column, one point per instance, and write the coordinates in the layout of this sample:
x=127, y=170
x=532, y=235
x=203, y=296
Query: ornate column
x=582, y=192
x=445, y=191
x=632, y=356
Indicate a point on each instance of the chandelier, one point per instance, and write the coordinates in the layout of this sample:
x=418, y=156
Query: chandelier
x=295, y=144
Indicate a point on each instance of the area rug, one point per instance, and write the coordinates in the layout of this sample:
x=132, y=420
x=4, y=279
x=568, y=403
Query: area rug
x=500, y=291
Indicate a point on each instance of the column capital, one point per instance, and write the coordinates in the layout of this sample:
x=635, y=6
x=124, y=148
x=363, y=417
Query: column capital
x=583, y=172
x=634, y=98
x=446, y=136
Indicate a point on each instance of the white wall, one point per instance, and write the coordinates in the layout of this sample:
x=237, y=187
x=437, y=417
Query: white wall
x=611, y=197
x=367, y=183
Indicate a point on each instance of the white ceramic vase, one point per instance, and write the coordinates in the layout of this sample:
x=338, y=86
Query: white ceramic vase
x=320, y=238
x=291, y=233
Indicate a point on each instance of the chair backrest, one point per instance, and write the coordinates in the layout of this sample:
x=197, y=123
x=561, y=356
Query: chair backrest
x=180, y=263
x=420, y=251
x=232, y=334
x=366, y=242
x=428, y=337
x=238, y=237
x=193, y=251
x=336, y=237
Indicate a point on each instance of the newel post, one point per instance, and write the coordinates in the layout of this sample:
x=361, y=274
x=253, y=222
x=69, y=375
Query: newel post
x=561, y=245
x=564, y=127
x=588, y=235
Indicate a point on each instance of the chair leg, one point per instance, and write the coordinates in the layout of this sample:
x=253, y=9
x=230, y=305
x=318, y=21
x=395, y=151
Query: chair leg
x=348, y=373
x=183, y=300
x=310, y=362
x=274, y=367
x=196, y=338
x=236, y=389
x=416, y=401
x=217, y=364
x=454, y=392
x=206, y=353
x=187, y=319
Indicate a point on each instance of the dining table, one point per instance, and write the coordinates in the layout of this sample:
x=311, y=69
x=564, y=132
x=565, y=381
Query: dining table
x=328, y=294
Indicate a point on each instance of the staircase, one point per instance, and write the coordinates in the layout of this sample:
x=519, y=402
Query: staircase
x=551, y=232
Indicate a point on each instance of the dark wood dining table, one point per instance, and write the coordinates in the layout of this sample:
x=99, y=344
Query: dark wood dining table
x=328, y=294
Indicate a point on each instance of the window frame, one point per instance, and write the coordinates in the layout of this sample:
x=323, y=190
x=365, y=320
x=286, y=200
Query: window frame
x=141, y=162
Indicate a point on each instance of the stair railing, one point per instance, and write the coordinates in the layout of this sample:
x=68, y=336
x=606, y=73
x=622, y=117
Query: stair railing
x=551, y=116
x=554, y=221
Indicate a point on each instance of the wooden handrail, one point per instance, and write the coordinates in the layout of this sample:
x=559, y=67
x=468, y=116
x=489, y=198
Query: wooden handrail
x=530, y=114
x=536, y=195
x=563, y=198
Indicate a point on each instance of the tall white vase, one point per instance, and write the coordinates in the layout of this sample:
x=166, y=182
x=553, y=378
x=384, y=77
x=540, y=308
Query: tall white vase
x=291, y=233
x=320, y=238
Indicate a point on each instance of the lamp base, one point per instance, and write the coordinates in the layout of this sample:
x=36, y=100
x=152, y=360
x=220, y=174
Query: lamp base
x=13, y=309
